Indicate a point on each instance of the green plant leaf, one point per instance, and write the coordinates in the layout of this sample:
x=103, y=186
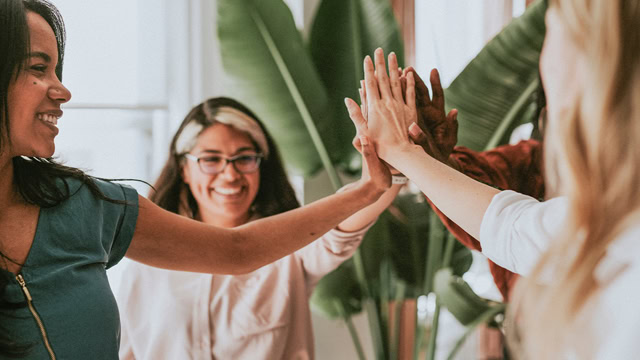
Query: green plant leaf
x=456, y=295
x=268, y=68
x=342, y=34
x=338, y=287
x=496, y=91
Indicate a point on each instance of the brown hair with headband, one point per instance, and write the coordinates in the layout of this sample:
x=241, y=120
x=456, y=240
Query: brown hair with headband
x=275, y=194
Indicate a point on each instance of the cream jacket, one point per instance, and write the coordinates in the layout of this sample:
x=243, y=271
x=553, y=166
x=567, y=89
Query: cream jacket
x=262, y=315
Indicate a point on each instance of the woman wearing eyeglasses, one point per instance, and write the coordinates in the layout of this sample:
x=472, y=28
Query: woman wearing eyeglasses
x=224, y=169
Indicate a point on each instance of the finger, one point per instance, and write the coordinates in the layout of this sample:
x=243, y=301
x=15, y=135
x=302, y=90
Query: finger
x=368, y=153
x=422, y=91
x=356, y=115
x=411, y=91
x=436, y=87
x=452, y=116
x=370, y=82
x=403, y=85
x=364, y=145
x=363, y=100
x=363, y=104
x=452, y=120
x=422, y=138
x=394, y=79
x=356, y=143
x=382, y=77
x=417, y=135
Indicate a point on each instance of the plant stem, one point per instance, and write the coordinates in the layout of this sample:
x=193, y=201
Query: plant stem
x=431, y=350
x=448, y=253
x=488, y=315
x=397, y=317
x=352, y=330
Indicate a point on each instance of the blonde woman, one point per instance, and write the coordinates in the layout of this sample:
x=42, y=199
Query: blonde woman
x=580, y=301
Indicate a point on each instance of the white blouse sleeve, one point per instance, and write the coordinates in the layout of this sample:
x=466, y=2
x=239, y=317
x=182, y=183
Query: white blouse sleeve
x=327, y=253
x=516, y=229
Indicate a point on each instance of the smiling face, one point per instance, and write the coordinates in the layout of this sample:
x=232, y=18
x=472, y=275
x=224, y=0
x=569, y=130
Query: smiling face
x=223, y=199
x=35, y=96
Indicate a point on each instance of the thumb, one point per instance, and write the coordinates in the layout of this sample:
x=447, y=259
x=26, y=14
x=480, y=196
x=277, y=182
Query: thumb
x=368, y=151
x=416, y=134
x=355, y=113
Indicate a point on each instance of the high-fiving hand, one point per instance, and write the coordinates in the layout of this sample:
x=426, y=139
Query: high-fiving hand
x=388, y=113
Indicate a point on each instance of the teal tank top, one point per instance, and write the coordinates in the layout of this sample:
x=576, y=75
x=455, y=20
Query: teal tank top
x=71, y=312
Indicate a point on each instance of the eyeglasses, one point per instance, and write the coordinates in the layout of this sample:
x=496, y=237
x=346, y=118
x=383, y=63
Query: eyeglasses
x=215, y=164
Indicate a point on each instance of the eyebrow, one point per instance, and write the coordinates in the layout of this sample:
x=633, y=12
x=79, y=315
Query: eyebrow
x=242, y=149
x=39, y=54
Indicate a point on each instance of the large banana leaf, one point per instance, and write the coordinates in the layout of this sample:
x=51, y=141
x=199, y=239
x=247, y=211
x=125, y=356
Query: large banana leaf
x=342, y=34
x=399, y=239
x=496, y=91
x=268, y=68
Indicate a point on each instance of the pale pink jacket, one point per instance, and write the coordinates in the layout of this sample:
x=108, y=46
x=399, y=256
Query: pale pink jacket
x=261, y=315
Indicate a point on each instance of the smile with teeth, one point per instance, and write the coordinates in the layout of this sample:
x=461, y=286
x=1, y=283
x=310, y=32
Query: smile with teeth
x=48, y=118
x=228, y=191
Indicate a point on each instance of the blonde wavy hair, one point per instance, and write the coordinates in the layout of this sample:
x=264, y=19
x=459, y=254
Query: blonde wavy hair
x=592, y=153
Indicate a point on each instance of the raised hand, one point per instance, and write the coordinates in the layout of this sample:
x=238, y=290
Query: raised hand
x=438, y=131
x=388, y=114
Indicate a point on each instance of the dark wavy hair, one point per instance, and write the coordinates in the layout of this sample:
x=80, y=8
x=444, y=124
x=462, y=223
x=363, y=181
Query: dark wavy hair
x=36, y=179
x=275, y=194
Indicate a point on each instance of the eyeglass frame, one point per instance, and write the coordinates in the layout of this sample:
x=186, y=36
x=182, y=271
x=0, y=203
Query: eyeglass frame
x=227, y=160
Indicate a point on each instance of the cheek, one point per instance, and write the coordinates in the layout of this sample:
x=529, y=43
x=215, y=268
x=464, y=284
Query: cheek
x=254, y=184
x=194, y=177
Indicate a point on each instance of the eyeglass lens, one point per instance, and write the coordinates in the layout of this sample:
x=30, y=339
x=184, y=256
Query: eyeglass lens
x=242, y=163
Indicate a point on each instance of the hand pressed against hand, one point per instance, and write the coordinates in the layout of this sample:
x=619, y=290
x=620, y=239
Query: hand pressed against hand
x=388, y=114
x=438, y=131
x=373, y=169
x=359, y=117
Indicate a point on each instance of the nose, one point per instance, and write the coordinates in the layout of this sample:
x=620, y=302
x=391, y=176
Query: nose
x=230, y=173
x=59, y=93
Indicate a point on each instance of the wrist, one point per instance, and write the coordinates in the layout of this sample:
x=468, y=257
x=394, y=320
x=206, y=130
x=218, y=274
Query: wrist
x=369, y=191
x=399, y=179
x=392, y=155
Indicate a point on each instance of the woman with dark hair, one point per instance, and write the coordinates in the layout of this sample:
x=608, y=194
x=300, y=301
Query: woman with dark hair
x=60, y=229
x=224, y=169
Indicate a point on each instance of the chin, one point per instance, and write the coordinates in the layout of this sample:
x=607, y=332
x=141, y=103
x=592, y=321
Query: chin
x=46, y=152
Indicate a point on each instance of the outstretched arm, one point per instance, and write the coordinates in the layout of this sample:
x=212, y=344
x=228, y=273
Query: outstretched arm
x=164, y=239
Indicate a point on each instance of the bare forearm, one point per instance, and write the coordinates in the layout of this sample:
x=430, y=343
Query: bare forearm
x=283, y=234
x=459, y=197
x=167, y=240
x=365, y=216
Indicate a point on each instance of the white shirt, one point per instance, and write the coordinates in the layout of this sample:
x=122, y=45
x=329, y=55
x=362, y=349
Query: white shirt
x=516, y=229
x=261, y=315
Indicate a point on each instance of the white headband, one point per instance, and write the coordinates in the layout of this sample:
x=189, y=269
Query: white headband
x=228, y=116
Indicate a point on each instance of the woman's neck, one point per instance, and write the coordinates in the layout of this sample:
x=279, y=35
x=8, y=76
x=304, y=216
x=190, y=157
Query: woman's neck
x=7, y=189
